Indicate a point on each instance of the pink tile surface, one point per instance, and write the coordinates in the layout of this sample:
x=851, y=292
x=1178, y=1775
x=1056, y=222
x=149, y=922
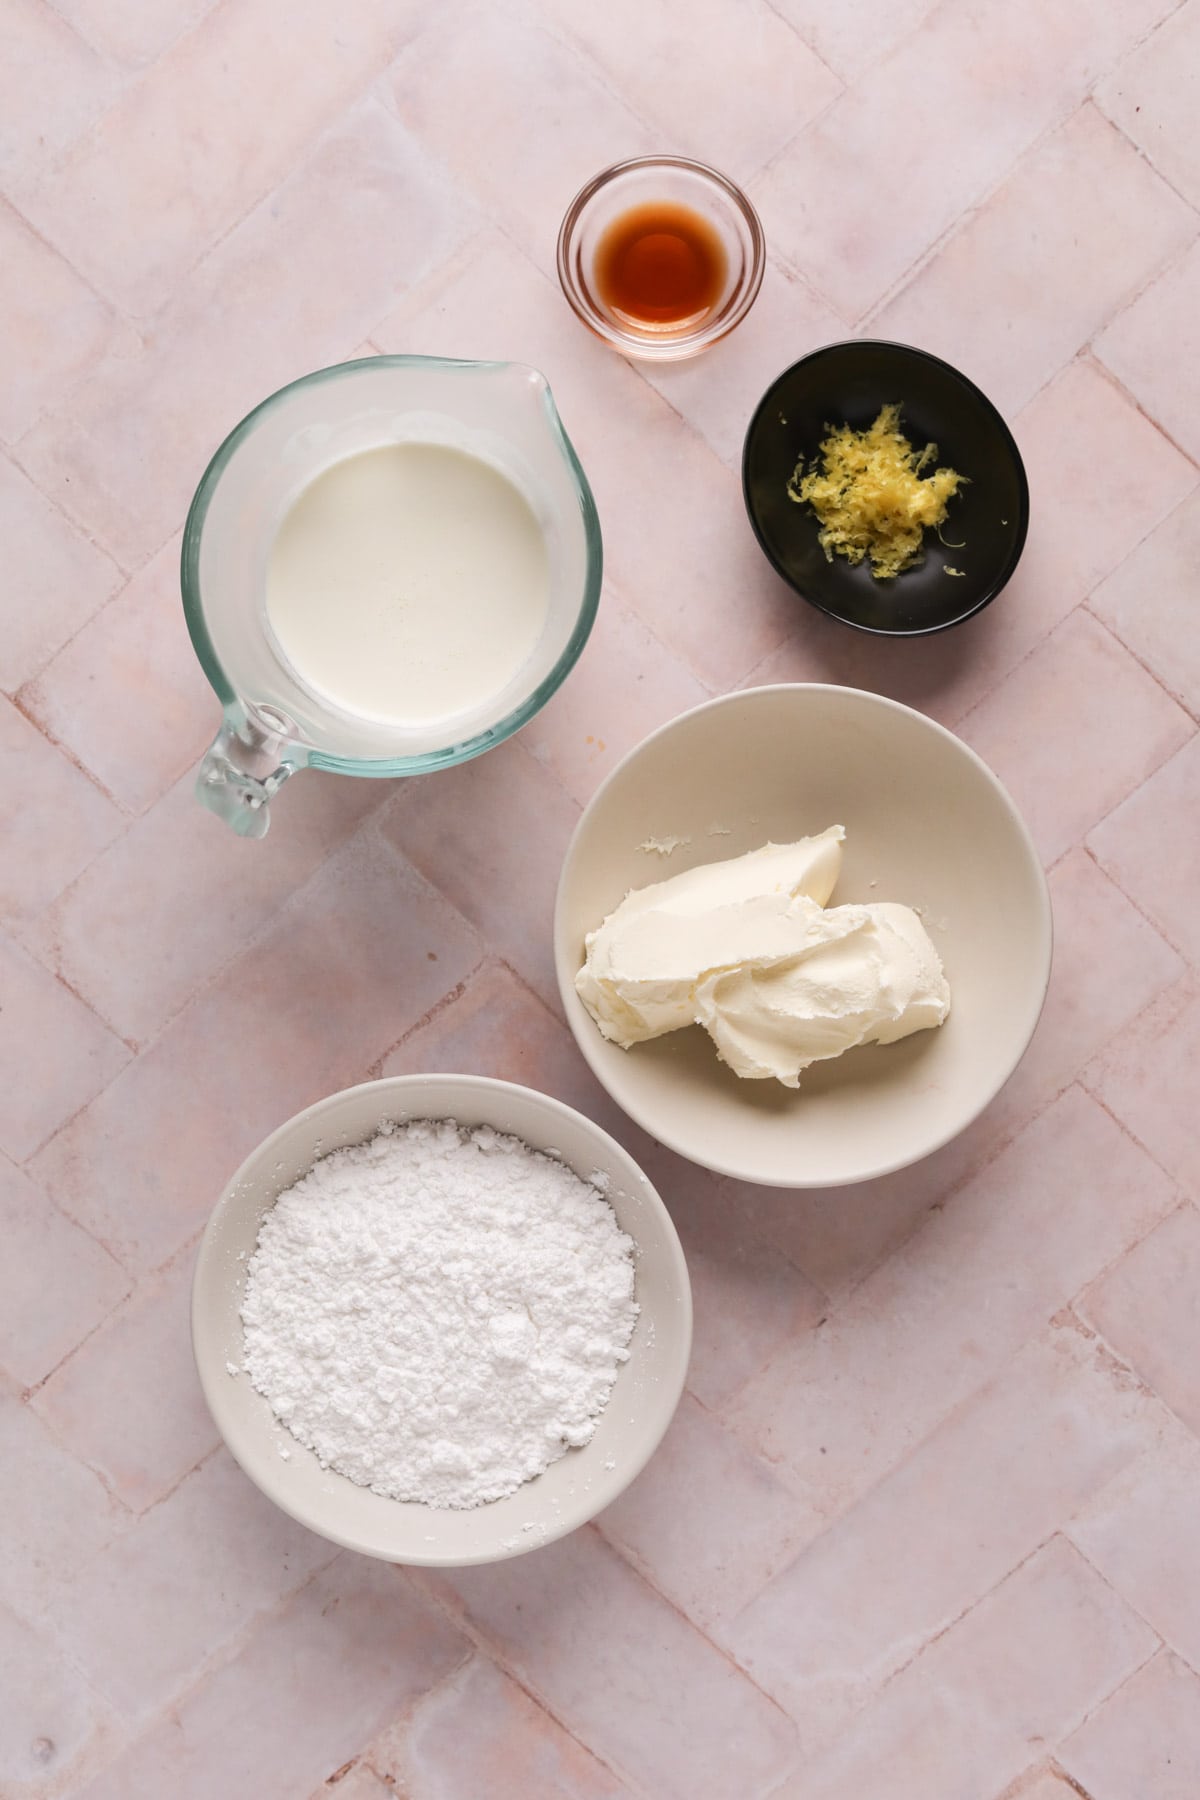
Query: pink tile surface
x=114, y=935
x=991, y=82
x=53, y=86
x=297, y=1697
x=362, y=985
x=1146, y=1740
x=1145, y=1077
x=354, y=1783
x=455, y=828
x=1147, y=100
x=1126, y=841
x=1043, y=1784
x=132, y=660
x=1151, y=348
x=748, y=49
x=706, y=1559
x=154, y=182
x=936, y=1535
x=148, y=1612
x=56, y=1282
x=143, y=1352
x=924, y=1527
x=495, y=1025
x=54, y=822
x=49, y=1717
x=1071, y=686
x=129, y=32
x=56, y=325
x=55, y=1055
x=594, y=1643
x=1011, y=334
x=58, y=1515
x=1130, y=1529
x=857, y=33
x=1148, y=1308
x=979, y=1705
x=582, y=735
x=749, y=1299
x=906, y=1348
x=454, y=87
x=480, y=1733
x=61, y=578
x=1144, y=602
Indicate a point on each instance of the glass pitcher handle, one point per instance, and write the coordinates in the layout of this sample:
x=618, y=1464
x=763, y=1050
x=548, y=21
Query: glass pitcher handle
x=236, y=782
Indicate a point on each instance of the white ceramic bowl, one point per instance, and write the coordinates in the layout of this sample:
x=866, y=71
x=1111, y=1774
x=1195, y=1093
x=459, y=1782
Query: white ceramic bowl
x=571, y=1490
x=927, y=824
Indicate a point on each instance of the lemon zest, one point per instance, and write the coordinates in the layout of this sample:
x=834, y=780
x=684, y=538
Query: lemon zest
x=869, y=491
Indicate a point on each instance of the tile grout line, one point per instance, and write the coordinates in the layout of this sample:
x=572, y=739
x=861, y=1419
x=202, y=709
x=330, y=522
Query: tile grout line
x=1095, y=357
x=1141, y=151
x=314, y=140
x=493, y=1652
x=1077, y=1304
x=447, y=1000
x=132, y=70
x=1103, y=1701
x=592, y=1525
x=843, y=84
x=139, y=1282
x=216, y=1659
x=1162, y=1643
x=20, y=705
x=977, y=204
x=836, y=1302
x=964, y=1405
x=1056, y=1768
x=77, y=524
x=117, y=312
x=403, y=1720
x=980, y=204
x=1177, y=700
x=28, y=1393
x=1133, y=899
x=508, y=1673
x=1128, y=1131
x=123, y=577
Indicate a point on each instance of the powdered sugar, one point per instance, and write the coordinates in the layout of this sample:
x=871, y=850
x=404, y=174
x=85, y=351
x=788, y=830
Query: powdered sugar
x=439, y=1313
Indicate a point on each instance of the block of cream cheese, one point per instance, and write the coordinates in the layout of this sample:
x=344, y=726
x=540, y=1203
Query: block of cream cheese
x=747, y=949
x=875, y=979
x=646, y=961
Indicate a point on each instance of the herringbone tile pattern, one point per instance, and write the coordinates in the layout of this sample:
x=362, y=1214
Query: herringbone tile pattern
x=927, y=1526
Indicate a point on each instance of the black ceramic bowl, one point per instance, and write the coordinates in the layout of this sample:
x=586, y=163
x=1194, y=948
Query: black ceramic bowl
x=846, y=384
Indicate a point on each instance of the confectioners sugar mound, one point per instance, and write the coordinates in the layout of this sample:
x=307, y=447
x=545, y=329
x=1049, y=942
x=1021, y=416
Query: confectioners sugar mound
x=440, y=1313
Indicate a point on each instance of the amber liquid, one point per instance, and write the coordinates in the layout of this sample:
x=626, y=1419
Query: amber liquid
x=660, y=266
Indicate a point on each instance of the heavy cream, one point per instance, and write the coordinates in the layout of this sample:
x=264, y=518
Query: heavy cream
x=748, y=949
x=408, y=583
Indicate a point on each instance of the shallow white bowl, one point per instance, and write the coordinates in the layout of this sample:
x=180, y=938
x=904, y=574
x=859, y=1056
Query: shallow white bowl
x=927, y=824
x=571, y=1490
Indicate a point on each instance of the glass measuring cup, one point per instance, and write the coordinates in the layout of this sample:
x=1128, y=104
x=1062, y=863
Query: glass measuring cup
x=274, y=722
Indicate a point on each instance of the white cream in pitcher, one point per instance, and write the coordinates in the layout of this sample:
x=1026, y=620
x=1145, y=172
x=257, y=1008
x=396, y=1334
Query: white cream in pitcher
x=408, y=583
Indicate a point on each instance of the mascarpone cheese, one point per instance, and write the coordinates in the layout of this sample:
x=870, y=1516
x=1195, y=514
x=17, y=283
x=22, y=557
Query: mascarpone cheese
x=646, y=961
x=747, y=949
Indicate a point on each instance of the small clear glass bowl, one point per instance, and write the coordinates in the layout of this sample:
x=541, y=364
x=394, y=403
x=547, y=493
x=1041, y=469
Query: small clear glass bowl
x=673, y=179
